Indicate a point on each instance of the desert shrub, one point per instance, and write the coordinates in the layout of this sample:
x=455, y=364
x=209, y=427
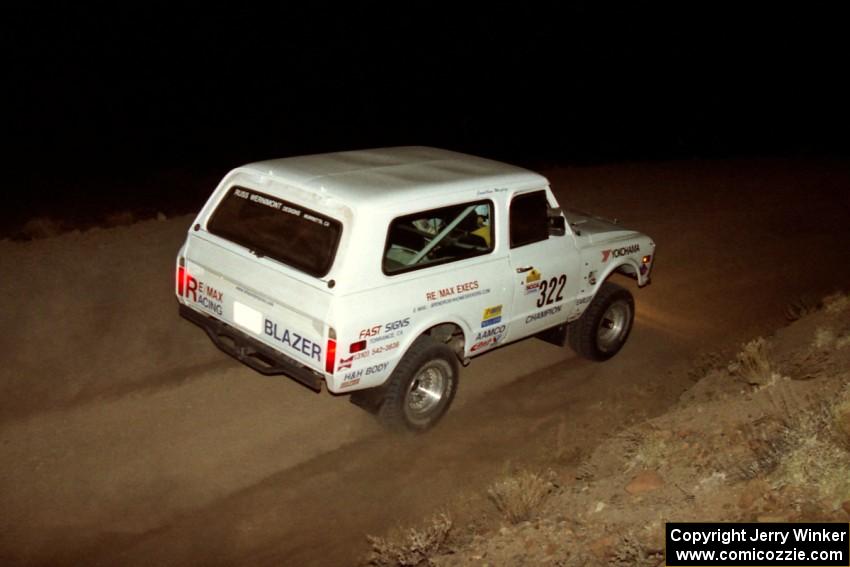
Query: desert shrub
x=519, y=496
x=815, y=463
x=812, y=453
x=412, y=547
x=752, y=364
x=767, y=442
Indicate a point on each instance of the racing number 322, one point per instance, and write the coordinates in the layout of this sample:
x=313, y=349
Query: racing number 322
x=550, y=286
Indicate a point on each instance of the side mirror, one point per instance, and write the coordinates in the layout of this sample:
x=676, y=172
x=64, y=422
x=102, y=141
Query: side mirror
x=557, y=222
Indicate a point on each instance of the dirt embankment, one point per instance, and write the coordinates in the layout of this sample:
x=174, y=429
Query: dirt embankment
x=763, y=437
x=127, y=437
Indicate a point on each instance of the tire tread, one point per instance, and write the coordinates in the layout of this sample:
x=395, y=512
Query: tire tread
x=581, y=334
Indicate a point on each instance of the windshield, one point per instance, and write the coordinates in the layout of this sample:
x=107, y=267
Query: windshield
x=269, y=226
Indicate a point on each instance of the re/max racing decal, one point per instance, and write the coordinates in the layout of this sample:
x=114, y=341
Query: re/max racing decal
x=204, y=295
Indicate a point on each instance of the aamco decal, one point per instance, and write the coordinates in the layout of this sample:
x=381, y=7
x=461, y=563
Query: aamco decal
x=488, y=338
x=205, y=295
x=292, y=340
x=491, y=316
x=617, y=252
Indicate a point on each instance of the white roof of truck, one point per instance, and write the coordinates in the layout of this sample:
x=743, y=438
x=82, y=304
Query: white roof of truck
x=394, y=174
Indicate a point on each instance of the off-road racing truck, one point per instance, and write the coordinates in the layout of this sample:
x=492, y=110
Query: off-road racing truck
x=378, y=272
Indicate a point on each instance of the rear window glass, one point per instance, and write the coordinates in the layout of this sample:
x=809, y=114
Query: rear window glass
x=439, y=236
x=269, y=226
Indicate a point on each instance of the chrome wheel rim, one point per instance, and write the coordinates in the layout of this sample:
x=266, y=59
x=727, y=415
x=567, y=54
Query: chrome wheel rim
x=426, y=391
x=613, y=326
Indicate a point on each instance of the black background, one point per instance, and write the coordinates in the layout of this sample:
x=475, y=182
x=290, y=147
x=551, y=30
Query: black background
x=144, y=109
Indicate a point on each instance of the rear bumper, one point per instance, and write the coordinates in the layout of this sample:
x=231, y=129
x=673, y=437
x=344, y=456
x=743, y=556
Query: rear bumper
x=252, y=352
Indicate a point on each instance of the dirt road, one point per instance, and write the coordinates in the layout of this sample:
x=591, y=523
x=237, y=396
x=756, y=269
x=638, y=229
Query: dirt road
x=126, y=437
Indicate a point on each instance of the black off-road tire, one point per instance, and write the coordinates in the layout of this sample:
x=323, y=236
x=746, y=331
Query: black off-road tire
x=429, y=366
x=603, y=328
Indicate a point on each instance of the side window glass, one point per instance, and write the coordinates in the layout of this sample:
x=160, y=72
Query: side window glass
x=439, y=236
x=528, y=218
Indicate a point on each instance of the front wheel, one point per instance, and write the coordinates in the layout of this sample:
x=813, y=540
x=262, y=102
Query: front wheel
x=603, y=328
x=421, y=388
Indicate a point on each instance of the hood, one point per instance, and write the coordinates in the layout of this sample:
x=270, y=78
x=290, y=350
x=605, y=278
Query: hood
x=594, y=230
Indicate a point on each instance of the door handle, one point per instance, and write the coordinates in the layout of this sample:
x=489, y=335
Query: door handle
x=524, y=269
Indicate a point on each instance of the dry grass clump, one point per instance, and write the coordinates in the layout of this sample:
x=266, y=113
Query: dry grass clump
x=650, y=452
x=824, y=338
x=752, y=364
x=837, y=302
x=810, y=453
x=519, y=496
x=766, y=444
x=413, y=547
x=630, y=551
x=815, y=462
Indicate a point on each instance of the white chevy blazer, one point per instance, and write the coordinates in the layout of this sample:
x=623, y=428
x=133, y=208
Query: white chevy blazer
x=377, y=272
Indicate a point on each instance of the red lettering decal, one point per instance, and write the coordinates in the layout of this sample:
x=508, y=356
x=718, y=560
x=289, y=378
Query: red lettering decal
x=192, y=286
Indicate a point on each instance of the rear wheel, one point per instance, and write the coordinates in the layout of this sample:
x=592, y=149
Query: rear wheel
x=603, y=328
x=421, y=388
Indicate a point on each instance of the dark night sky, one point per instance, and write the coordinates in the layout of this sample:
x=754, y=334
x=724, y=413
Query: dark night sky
x=106, y=110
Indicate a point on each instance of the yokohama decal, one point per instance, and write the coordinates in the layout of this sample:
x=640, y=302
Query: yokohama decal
x=617, y=252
